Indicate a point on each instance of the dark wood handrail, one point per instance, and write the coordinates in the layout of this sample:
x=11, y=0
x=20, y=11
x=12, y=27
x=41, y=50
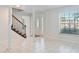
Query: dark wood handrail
x=18, y=20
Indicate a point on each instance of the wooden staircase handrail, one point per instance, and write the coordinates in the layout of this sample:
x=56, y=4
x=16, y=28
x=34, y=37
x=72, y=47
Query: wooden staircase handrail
x=18, y=20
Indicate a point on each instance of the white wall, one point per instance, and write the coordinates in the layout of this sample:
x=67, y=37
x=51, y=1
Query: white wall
x=4, y=16
x=52, y=25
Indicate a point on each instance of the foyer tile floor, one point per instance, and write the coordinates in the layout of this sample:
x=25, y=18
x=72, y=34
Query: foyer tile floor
x=40, y=45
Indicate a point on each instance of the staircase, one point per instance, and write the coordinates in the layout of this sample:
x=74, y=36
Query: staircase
x=18, y=26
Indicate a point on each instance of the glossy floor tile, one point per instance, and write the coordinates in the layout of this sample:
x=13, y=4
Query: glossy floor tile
x=41, y=45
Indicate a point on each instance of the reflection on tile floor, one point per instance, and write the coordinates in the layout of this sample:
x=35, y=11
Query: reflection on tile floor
x=40, y=45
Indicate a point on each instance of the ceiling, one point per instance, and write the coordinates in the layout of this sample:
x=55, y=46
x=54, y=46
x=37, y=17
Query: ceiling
x=37, y=8
x=30, y=8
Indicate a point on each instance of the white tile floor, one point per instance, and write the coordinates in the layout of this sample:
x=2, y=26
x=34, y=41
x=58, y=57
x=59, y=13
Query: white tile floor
x=40, y=45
